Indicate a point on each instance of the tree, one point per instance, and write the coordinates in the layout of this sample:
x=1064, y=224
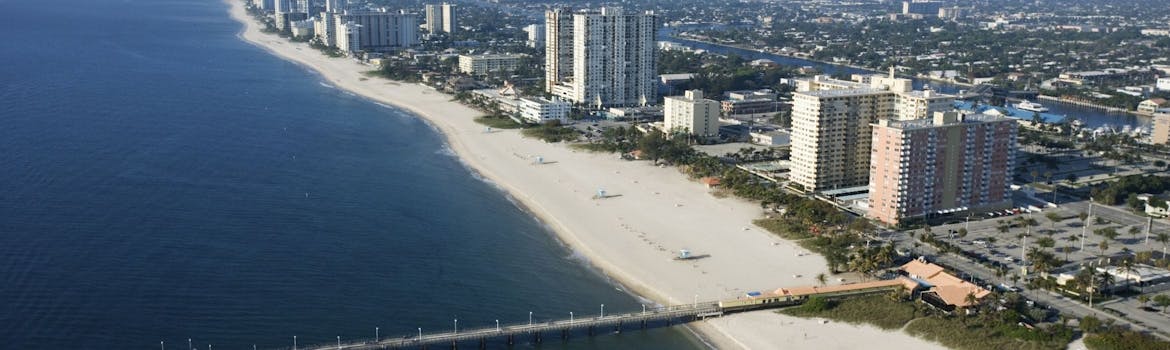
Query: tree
x=1133, y=231
x=1053, y=218
x=1144, y=298
x=1163, y=237
x=1103, y=246
x=1162, y=300
x=1090, y=324
x=1066, y=249
x=962, y=232
x=821, y=278
x=1046, y=242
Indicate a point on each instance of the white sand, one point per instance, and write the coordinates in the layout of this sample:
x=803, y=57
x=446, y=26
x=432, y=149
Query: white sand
x=632, y=237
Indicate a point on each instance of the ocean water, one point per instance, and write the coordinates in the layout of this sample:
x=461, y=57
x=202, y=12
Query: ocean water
x=161, y=180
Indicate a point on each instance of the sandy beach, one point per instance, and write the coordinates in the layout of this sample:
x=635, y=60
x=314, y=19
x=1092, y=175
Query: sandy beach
x=633, y=236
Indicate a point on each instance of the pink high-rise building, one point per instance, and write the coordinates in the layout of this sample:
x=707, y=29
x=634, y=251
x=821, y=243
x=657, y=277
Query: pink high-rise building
x=947, y=163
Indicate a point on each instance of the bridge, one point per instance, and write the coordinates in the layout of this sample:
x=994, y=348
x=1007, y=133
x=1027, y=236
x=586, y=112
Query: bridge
x=536, y=332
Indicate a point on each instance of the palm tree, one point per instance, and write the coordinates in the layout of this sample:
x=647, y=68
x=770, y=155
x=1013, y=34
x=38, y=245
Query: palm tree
x=821, y=278
x=1133, y=231
x=1144, y=298
x=1127, y=267
x=1163, y=237
x=1103, y=246
x=1066, y=249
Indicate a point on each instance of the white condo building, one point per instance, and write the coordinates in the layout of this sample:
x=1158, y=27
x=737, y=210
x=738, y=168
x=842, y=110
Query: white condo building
x=378, y=30
x=691, y=114
x=483, y=64
x=540, y=110
x=536, y=34
x=440, y=18
x=831, y=125
x=612, y=56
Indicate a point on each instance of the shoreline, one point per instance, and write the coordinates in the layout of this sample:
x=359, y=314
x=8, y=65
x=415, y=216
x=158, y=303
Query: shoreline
x=630, y=239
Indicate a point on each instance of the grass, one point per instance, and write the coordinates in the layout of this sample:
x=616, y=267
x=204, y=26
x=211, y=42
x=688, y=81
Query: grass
x=498, y=122
x=990, y=331
x=876, y=310
x=550, y=133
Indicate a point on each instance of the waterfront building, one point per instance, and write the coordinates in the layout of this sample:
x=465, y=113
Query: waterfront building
x=1151, y=106
x=536, y=34
x=947, y=163
x=377, y=30
x=831, y=125
x=1161, y=129
x=348, y=37
x=483, y=64
x=613, y=54
x=540, y=110
x=558, y=49
x=325, y=28
x=1163, y=84
x=266, y=5
x=691, y=114
x=831, y=136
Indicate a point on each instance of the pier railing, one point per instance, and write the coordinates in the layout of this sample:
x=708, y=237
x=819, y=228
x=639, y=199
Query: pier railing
x=534, y=332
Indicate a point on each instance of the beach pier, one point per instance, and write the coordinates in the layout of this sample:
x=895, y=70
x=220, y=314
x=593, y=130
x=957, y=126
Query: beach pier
x=508, y=335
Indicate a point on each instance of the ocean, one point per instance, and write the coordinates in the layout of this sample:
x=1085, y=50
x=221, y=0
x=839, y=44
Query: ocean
x=162, y=180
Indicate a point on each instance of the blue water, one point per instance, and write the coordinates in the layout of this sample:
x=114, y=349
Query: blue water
x=162, y=180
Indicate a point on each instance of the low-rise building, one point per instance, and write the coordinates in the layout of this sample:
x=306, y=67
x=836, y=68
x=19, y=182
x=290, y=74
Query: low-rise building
x=1163, y=84
x=484, y=64
x=944, y=290
x=540, y=110
x=751, y=102
x=691, y=114
x=1151, y=106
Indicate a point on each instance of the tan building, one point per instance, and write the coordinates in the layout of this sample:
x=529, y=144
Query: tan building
x=613, y=60
x=1151, y=106
x=831, y=136
x=948, y=163
x=831, y=125
x=484, y=64
x=691, y=114
x=1161, y=132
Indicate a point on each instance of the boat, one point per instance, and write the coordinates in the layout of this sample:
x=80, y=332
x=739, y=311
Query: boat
x=1077, y=123
x=1031, y=106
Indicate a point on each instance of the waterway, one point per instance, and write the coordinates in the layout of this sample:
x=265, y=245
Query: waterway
x=162, y=181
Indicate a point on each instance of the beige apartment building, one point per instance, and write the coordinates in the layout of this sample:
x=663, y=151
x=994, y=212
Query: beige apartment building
x=484, y=64
x=691, y=114
x=611, y=57
x=947, y=163
x=831, y=125
x=1161, y=129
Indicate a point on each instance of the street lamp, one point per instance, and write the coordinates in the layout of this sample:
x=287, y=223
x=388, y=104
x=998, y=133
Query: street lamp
x=376, y=337
x=189, y=344
x=497, y=326
x=570, y=317
x=530, y=318
x=162, y=345
x=339, y=342
x=420, y=334
x=602, y=310
x=456, y=327
x=294, y=342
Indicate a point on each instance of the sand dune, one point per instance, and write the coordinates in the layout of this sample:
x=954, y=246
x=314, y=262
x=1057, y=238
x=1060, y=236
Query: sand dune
x=632, y=237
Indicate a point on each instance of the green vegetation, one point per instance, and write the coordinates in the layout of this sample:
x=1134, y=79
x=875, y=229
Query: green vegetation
x=551, y=132
x=715, y=74
x=876, y=310
x=1115, y=192
x=1102, y=336
x=498, y=121
x=988, y=329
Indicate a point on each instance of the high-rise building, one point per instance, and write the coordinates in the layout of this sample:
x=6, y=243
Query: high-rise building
x=921, y=7
x=558, y=49
x=947, y=163
x=332, y=6
x=434, y=18
x=831, y=121
x=535, y=35
x=614, y=57
x=691, y=114
x=1160, y=133
x=378, y=30
x=831, y=136
x=450, y=18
